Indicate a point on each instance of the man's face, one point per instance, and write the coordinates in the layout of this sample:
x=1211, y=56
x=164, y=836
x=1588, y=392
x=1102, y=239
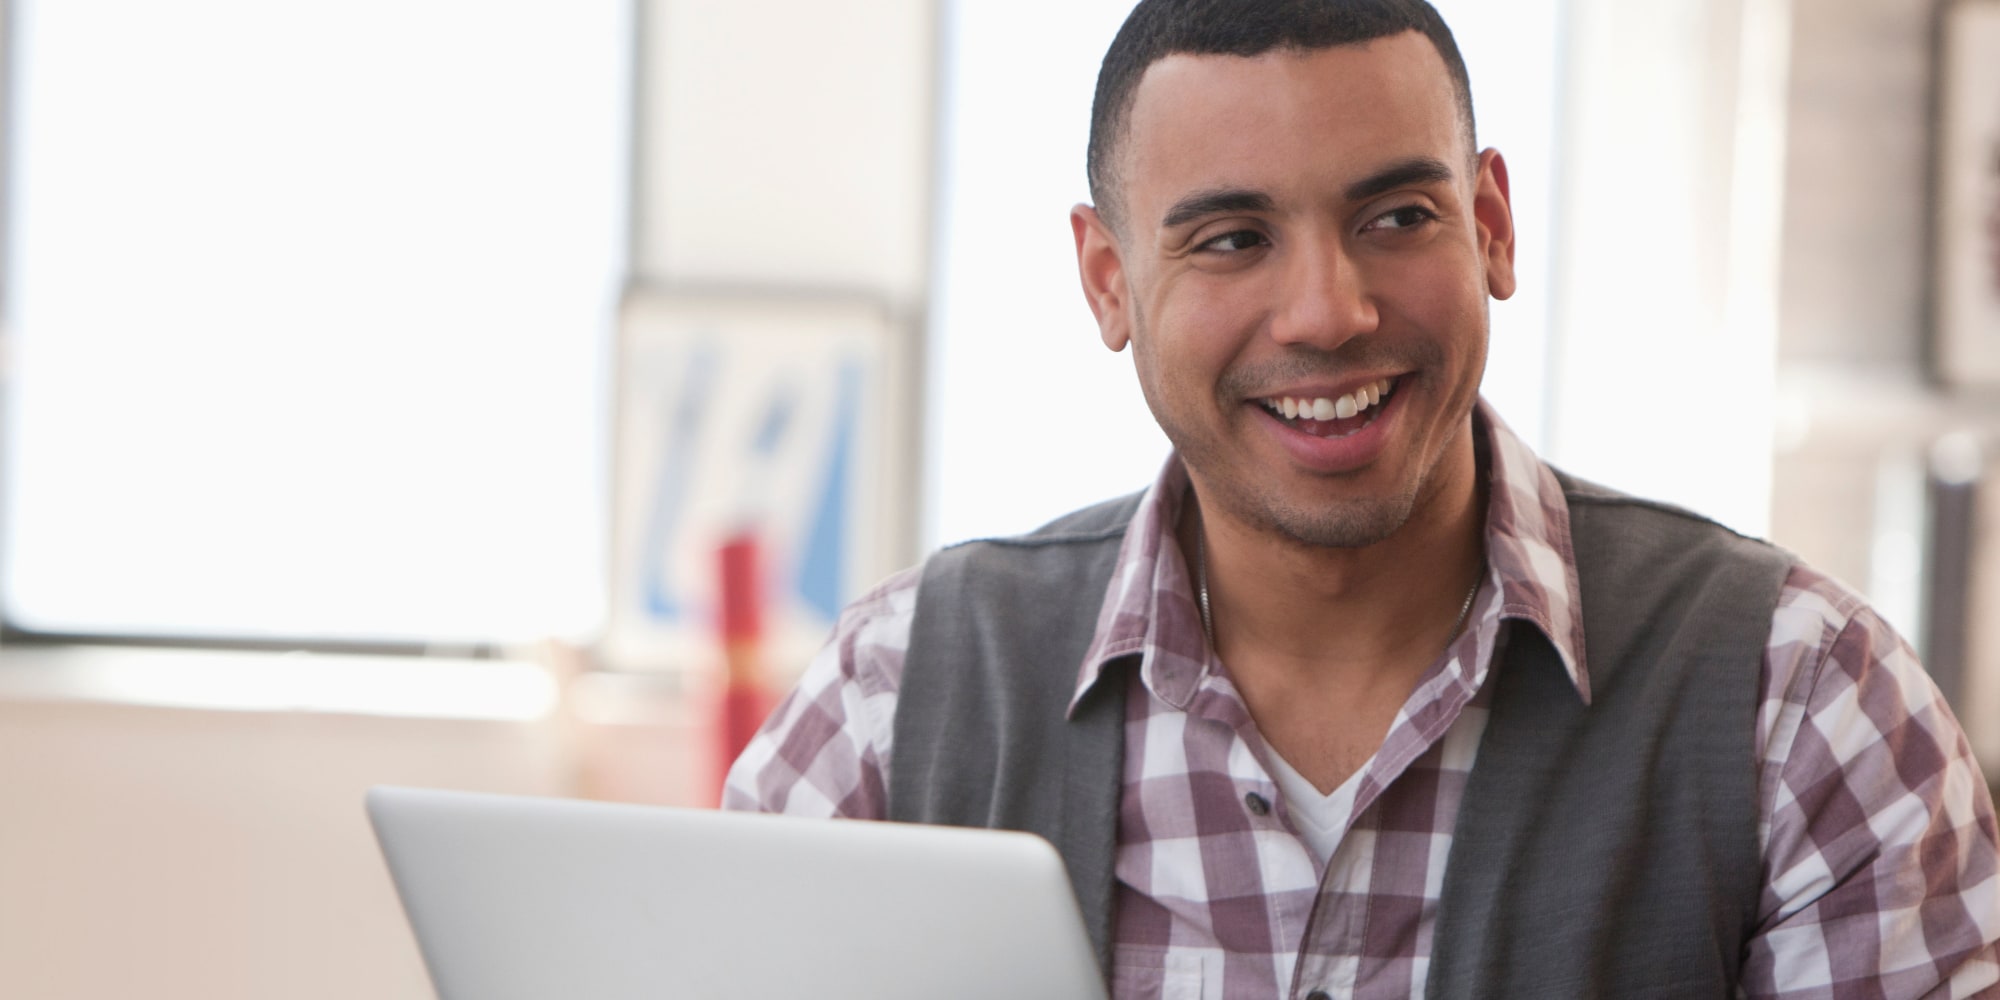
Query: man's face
x=1304, y=233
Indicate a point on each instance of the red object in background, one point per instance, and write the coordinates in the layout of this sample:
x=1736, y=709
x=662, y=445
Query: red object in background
x=742, y=588
x=745, y=700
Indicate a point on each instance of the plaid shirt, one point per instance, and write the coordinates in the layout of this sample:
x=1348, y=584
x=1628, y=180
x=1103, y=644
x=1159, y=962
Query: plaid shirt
x=1878, y=836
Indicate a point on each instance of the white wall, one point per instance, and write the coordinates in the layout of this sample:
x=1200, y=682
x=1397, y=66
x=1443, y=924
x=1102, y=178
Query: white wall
x=303, y=356
x=154, y=844
x=1665, y=317
x=1513, y=54
x=787, y=145
x=1030, y=416
x=178, y=853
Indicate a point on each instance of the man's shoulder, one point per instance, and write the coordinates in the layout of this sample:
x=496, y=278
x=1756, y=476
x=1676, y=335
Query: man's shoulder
x=1656, y=535
x=1812, y=605
x=885, y=613
x=1810, y=613
x=1588, y=495
x=1651, y=576
x=1067, y=549
x=1102, y=521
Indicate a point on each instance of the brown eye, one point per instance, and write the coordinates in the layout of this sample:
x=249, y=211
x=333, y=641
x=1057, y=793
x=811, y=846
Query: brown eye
x=1407, y=217
x=1241, y=239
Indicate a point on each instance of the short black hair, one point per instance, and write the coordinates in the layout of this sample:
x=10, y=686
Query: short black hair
x=1160, y=28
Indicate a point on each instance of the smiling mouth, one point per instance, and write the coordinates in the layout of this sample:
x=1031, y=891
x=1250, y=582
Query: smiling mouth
x=1331, y=418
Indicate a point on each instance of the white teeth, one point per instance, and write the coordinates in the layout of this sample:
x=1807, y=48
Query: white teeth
x=1322, y=408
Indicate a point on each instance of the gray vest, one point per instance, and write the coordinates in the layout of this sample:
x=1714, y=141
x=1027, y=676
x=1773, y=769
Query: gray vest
x=1607, y=850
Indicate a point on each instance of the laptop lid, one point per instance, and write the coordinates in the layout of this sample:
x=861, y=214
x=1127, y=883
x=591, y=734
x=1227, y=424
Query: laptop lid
x=516, y=897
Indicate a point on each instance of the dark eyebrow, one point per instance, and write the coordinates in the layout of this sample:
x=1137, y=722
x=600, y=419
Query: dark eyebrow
x=1223, y=201
x=1220, y=202
x=1408, y=173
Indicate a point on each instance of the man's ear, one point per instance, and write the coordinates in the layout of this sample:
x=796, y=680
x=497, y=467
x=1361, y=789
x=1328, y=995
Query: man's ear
x=1102, y=271
x=1493, y=214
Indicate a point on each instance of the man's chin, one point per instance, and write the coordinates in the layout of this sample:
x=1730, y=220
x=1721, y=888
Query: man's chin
x=1343, y=524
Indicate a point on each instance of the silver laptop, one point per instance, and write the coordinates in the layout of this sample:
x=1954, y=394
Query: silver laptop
x=515, y=897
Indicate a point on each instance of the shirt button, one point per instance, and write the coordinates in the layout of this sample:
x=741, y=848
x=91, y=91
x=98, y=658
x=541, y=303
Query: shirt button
x=1261, y=806
x=1319, y=995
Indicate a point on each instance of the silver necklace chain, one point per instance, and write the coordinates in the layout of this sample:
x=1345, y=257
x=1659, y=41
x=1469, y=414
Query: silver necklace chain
x=1208, y=615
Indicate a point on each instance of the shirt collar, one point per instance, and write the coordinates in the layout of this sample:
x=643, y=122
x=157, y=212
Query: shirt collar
x=1528, y=549
x=1149, y=609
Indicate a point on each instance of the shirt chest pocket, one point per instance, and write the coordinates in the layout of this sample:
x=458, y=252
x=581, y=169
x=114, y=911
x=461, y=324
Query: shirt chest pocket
x=1147, y=973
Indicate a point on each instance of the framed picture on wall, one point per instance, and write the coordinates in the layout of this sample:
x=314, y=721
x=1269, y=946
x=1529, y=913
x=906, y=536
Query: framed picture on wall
x=1966, y=271
x=782, y=422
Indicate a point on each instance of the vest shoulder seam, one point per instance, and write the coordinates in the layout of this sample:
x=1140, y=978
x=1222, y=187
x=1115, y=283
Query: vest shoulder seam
x=1578, y=491
x=1074, y=528
x=1040, y=541
x=1660, y=507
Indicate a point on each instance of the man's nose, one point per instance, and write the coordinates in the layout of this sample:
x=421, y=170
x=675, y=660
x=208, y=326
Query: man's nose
x=1324, y=299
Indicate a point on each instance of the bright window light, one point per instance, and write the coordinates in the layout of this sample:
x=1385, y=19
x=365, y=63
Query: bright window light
x=307, y=309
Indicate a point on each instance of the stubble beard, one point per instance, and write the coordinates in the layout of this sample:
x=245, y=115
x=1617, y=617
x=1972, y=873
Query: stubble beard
x=1350, y=523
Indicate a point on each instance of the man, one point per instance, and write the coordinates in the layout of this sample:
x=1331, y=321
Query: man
x=1360, y=698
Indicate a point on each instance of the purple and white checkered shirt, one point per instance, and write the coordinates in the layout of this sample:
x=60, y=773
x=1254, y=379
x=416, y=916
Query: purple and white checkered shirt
x=1878, y=835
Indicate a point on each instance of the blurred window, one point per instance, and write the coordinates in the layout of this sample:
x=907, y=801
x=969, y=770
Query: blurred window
x=308, y=307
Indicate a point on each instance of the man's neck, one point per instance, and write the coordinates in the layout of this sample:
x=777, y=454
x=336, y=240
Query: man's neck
x=1290, y=607
x=1325, y=644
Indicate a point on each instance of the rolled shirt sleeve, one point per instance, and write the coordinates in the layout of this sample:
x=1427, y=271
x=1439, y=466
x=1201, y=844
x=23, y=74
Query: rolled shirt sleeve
x=1879, y=837
x=824, y=752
